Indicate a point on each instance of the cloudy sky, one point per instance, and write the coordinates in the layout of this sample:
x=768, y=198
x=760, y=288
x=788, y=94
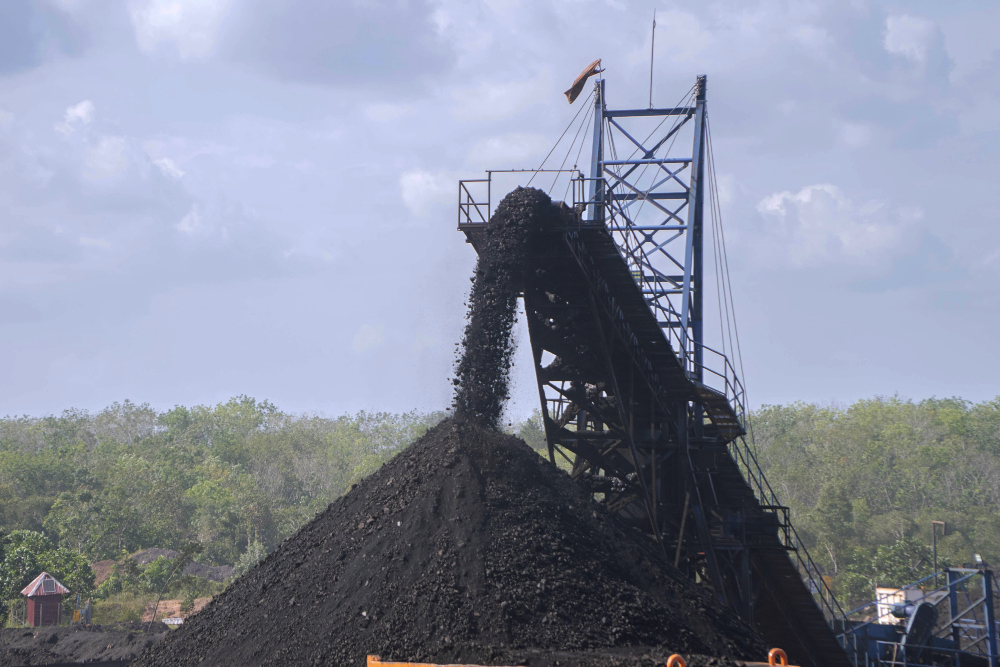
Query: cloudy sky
x=204, y=198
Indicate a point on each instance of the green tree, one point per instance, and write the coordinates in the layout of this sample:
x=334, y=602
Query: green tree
x=26, y=554
x=864, y=481
x=253, y=555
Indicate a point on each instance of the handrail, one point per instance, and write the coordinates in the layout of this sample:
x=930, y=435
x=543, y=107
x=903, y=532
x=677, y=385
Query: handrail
x=467, y=204
x=828, y=603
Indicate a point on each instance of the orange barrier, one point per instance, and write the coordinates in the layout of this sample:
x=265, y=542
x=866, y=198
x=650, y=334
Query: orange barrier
x=375, y=661
x=775, y=658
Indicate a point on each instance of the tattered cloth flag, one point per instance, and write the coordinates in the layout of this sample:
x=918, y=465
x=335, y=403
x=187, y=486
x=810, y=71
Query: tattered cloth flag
x=574, y=90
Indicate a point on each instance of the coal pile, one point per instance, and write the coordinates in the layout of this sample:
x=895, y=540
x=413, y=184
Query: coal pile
x=466, y=547
x=483, y=369
x=77, y=643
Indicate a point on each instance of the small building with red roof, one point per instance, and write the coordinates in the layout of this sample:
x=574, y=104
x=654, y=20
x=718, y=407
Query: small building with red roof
x=45, y=596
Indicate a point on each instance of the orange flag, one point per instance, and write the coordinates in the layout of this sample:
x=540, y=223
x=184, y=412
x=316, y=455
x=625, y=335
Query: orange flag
x=574, y=90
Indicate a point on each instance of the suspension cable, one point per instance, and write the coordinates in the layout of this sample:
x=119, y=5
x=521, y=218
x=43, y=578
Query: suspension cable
x=552, y=150
x=569, y=183
x=583, y=124
x=731, y=305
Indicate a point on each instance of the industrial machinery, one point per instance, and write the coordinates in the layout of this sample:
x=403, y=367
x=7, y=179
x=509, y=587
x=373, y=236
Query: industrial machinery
x=945, y=618
x=637, y=405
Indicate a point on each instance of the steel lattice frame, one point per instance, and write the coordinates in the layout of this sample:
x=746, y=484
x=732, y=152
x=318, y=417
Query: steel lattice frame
x=615, y=316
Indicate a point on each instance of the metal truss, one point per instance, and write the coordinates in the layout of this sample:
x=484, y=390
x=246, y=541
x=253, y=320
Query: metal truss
x=652, y=200
x=634, y=404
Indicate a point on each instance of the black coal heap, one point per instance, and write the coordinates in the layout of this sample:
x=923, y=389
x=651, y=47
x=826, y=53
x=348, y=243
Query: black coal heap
x=467, y=546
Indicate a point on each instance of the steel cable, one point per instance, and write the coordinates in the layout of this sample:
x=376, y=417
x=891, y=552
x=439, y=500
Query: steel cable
x=554, y=146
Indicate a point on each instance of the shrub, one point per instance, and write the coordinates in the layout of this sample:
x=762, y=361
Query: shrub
x=121, y=608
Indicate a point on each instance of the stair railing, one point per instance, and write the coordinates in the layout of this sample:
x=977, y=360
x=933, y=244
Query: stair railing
x=810, y=572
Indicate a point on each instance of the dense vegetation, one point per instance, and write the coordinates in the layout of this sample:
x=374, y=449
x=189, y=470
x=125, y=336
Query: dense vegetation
x=235, y=478
x=863, y=482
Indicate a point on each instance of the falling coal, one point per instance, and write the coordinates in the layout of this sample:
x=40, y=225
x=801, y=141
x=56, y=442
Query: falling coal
x=482, y=373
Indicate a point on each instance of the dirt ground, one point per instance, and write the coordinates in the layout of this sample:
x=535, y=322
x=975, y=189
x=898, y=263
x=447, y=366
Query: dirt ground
x=172, y=609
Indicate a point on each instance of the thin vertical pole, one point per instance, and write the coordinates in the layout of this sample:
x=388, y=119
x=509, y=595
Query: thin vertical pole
x=748, y=583
x=680, y=534
x=690, y=315
x=597, y=155
x=697, y=316
x=991, y=621
x=944, y=529
x=934, y=542
x=652, y=47
x=956, y=632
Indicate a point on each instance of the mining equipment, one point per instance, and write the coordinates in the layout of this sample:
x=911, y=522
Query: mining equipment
x=643, y=411
x=945, y=618
x=653, y=420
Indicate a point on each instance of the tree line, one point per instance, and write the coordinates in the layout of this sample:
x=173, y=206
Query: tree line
x=863, y=483
x=235, y=478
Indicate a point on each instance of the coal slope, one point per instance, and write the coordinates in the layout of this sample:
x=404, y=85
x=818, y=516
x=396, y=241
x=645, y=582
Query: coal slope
x=77, y=643
x=483, y=369
x=465, y=547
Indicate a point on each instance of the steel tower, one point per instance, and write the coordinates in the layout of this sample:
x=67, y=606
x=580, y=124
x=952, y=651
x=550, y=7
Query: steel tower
x=634, y=403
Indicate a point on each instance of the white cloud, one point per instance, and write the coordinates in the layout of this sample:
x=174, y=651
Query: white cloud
x=79, y=114
x=680, y=38
x=168, y=167
x=422, y=191
x=191, y=222
x=970, y=39
x=727, y=186
x=514, y=147
x=68, y=6
x=980, y=116
x=107, y=159
x=788, y=107
x=94, y=243
x=909, y=36
x=368, y=337
x=384, y=112
x=819, y=223
x=812, y=37
x=191, y=27
x=991, y=258
x=494, y=100
x=855, y=135
x=423, y=341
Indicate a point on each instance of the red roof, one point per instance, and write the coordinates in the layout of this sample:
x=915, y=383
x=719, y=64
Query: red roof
x=44, y=584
